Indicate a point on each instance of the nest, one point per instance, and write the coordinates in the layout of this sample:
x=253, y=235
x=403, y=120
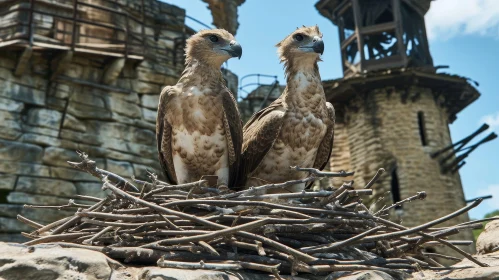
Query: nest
x=197, y=225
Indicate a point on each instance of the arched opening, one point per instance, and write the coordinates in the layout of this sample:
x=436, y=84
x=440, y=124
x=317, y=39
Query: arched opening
x=395, y=188
x=422, y=129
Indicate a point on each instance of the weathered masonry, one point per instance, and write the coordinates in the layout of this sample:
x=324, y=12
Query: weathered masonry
x=393, y=109
x=82, y=75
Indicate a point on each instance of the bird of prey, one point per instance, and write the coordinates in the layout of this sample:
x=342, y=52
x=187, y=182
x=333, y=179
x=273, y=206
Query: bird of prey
x=198, y=128
x=296, y=129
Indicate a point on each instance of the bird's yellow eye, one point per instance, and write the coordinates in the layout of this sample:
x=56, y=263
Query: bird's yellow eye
x=213, y=38
x=299, y=37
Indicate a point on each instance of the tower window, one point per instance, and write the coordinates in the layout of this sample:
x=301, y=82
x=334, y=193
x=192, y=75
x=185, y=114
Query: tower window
x=422, y=129
x=395, y=188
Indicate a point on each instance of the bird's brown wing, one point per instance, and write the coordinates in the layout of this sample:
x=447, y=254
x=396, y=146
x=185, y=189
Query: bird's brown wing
x=326, y=146
x=233, y=135
x=260, y=133
x=164, y=137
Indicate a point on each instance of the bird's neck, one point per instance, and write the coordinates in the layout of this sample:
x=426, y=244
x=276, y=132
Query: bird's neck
x=303, y=87
x=199, y=73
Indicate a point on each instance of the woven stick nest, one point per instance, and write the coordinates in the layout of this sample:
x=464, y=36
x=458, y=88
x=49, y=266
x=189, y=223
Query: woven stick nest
x=196, y=225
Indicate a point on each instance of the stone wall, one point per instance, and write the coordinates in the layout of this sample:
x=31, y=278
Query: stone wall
x=379, y=128
x=63, y=102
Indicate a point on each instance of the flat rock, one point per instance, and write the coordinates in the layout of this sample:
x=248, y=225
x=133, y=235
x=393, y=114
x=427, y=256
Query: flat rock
x=12, y=225
x=71, y=122
x=149, y=115
x=45, y=186
x=44, y=117
x=150, y=101
x=7, y=181
x=15, y=151
x=59, y=156
x=11, y=105
x=24, y=168
x=91, y=189
x=489, y=238
x=466, y=270
x=36, y=199
x=121, y=168
x=53, y=262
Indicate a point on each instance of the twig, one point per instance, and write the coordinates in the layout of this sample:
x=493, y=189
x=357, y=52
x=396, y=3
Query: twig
x=319, y=173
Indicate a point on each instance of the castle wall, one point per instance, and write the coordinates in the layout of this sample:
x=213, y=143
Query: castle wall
x=45, y=118
x=381, y=129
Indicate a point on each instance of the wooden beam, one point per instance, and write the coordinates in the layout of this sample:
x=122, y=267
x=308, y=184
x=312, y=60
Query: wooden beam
x=113, y=70
x=22, y=62
x=61, y=63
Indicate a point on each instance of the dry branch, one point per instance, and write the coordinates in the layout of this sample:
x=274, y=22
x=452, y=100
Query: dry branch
x=215, y=228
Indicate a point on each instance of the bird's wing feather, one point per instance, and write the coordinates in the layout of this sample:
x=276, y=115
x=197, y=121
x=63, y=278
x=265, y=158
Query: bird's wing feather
x=164, y=136
x=233, y=135
x=260, y=133
x=326, y=146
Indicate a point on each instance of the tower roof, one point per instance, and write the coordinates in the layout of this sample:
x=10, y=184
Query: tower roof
x=326, y=7
x=453, y=92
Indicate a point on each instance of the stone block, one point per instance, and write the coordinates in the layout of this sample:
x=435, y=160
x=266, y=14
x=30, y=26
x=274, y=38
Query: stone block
x=7, y=181
x=36, y=199
x=108, y=130
x=45, y=186
x=124, y=107
x=150, y=101
x=133, y=122
x=83, y=111
x=121, y=168
x=40, y=130
x=22, y=93
x=16, y=151
x=149, y=115
x=13, y=225
x=10, y=105
x=80, y=137
x=56, y=103
x=23, y=168
x=42, y=140
x=70, y=122
x=13, y=237
x=140, y=170
x=59, y=157
x=132, y=97
x=146, y=88
x=10, y=210
x=89, y=98
x=71, y=174
x=91, y=189
x=9, y=133
x=45, y=118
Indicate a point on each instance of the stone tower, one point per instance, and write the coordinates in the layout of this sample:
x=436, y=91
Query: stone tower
x=393, y=109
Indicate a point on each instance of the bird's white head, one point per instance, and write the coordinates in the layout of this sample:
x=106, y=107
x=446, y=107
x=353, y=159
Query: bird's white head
x=303, y=47
x=212, y=47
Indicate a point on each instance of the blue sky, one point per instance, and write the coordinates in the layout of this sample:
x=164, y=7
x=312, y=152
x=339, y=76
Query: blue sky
x=464, y=34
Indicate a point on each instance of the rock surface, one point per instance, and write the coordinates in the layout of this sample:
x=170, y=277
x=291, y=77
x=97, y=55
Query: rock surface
x=49, y=261
x=489, y=238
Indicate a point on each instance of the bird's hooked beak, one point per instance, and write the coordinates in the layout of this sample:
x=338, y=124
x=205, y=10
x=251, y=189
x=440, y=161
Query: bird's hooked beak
x=234, y=49
x=317, y=45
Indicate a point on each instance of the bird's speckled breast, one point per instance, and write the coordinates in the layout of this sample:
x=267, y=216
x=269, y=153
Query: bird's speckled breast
x=198, y=136
x=304, y=127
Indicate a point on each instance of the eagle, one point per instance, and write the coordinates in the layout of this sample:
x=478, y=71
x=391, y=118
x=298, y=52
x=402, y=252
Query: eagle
x=198, y=127
x=297, y=129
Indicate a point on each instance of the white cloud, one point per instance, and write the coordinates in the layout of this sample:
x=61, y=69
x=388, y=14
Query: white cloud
x=450, y=18
x=493, y=203
x=492, y=120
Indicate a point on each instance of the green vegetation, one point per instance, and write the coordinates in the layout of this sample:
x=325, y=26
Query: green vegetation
x=477, y=232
